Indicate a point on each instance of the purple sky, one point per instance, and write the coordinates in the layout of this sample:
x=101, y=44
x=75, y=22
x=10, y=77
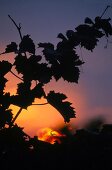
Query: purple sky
x=43, y=20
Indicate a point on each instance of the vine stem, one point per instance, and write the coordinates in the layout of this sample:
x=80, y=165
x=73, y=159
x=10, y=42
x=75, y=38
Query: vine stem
x=19, y=111
x=18, y=27
x=16, y=75
x=20, y=34
x=40, y=104
x=108, y=6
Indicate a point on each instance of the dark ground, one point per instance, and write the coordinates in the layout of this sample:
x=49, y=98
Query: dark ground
x=84, y=150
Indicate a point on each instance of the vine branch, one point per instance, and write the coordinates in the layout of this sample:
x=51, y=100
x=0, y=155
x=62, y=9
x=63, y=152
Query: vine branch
x=18, y=27
x=19, y=111
x=16, y=75
x=40, y=104
x=108, y=6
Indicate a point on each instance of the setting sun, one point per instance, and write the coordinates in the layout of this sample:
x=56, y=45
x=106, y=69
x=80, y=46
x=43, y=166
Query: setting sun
x=49, y=135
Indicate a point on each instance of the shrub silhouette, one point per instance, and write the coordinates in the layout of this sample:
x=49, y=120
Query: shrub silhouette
x=61, y=61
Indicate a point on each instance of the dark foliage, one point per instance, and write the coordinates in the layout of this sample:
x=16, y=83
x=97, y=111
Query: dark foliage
x=83, y=150
x=11, y=48
x=27, y=45
x=5, y=67
x=56, y=100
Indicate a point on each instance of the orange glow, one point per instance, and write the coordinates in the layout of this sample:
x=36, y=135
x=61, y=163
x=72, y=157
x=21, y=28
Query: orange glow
x=39, y=116
x=49, y=135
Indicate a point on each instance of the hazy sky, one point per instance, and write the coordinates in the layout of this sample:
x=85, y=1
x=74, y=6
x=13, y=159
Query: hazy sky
x=43, y=20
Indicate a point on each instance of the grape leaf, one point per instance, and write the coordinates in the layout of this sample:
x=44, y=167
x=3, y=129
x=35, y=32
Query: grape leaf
x=22, y=100
x=73, y=38
x=49, y=52
x=38, y=91
x=5, y=67
x=104, y=24
x=88, y=36
x=56, y=70
x=3, y=81
x=61, y=36
x=31, y=69
x=72, y=73
x=20, y=63
x=11, y=48
x=64, y=107
x=5, y=117
x=25, y=96
x=43, y=73
x=35, y=58
x=27, y=45
x=38, y=71
x=6, y=100
x=46, y=45
x=23, y=88
x=69, y=63
x=64, y=57
x=51, y=56
x=88, y=21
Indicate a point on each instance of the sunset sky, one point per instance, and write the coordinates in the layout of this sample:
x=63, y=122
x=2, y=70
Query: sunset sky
x=43, y=20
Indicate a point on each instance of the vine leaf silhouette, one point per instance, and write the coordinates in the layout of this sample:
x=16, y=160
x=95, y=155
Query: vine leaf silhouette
x=3, y=81
x=51, y=56
x=61, y=62
x=62, y=58
x=43, y=73
x=49, y=52
x=104, y=24
x=31, y=69
x=69, y=65
x=6, y=100
x=38, y=91
x=22, y=101
x=88, y=36
x=20, y=63
x=5, y=67
x=23, y=88
x=5, y=116
x=27, y=45
x=11, y=48
x=88, y=21
x=61, y=36
x=26, y=96
x=73, y=38
x=64, y=107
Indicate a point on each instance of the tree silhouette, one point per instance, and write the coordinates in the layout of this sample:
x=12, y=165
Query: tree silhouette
x=61, y=61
